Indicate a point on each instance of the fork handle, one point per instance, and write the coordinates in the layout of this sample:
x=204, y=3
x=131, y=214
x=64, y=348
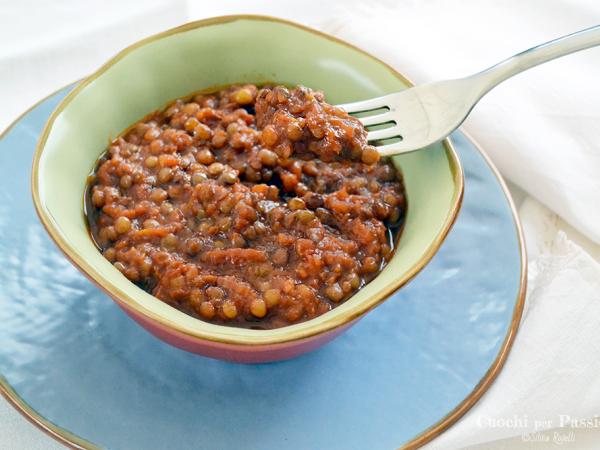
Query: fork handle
x=562, y=46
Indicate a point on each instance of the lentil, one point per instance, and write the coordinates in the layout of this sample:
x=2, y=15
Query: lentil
x=207, y=310
x=151, y=162
x=248, y=207
x=122, y=225
x=258, y=308
x=272, y=297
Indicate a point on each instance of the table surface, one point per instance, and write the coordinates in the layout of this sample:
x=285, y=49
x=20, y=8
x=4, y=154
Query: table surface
x=16, y=432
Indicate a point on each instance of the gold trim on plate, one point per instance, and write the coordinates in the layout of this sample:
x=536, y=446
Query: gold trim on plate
x=73, y=441
x=63, y=436
x=453, y=416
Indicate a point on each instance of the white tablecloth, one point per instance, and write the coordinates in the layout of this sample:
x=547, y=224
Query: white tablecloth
x=541, y=129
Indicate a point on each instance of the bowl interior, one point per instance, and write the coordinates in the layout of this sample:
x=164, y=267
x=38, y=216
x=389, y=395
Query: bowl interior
x=212, y=53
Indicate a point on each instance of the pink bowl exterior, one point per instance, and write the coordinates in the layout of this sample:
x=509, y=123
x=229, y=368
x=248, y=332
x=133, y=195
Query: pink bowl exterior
x=247, y=354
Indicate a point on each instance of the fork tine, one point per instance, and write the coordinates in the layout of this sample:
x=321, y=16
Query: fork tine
x=385, y=133
x=397, y=148
x=366, y=105
x=377, y=119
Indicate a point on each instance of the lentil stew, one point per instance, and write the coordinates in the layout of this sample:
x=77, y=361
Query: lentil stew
x=251, y=207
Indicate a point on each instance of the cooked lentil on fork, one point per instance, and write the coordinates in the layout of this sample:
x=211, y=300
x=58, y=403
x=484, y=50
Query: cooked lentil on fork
x=249, y=207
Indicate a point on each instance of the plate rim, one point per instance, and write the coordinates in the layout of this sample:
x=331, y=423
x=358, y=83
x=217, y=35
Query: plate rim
x=71, y=440
x=491, y=374
x=58, y=433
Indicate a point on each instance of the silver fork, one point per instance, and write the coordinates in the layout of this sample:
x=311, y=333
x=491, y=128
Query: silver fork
x=422, y=115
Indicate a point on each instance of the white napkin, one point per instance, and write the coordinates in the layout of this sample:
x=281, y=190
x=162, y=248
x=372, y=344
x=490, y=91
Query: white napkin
x=551, y=374
x=542, y=129
x=46, y=45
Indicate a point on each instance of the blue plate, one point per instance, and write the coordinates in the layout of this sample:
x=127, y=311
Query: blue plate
x=77, y=366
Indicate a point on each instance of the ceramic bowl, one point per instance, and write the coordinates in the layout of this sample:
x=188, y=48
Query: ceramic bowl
x=216, y=52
